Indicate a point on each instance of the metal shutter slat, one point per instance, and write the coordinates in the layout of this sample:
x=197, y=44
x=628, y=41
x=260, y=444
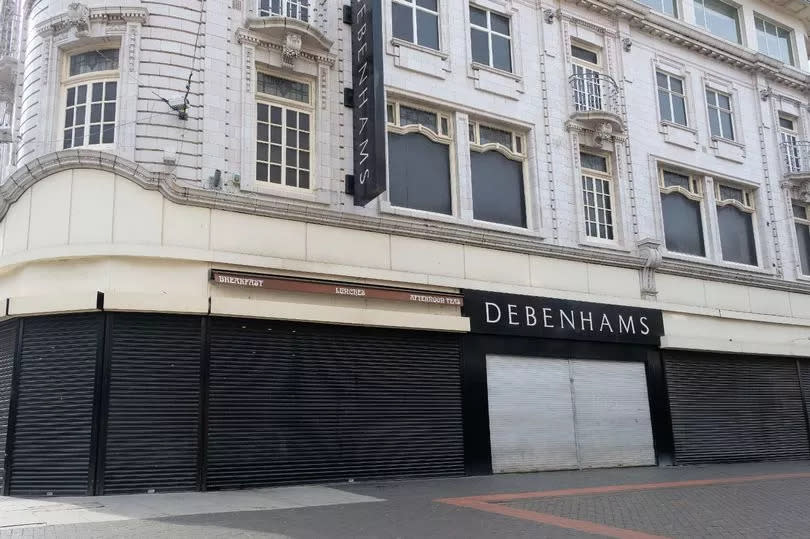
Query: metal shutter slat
x=8, y=345
x=154, y=404
x=727, y=409
x=55, y=405
x=304, y=402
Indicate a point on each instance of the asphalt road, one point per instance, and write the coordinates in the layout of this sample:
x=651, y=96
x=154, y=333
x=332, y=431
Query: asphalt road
x=742, y=500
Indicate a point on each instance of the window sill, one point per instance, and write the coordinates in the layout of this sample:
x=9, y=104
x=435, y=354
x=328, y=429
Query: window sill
x=728, y=149
x=419, y=59
x=397, y=42
x=679, y=135
x=499, y=227
x=671, y=255
x=283, y=191
x=603, y=245
x=387, y=208
x=496, y=71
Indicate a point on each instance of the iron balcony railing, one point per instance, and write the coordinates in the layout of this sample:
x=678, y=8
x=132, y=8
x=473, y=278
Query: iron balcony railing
x=796, y=156
x=295, y=9
x=595, y=92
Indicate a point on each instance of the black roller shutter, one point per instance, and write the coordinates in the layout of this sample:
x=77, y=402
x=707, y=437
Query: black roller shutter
x=152, y=434
x=8, y=344
x=294, y=403
x=805, y=378
x=735, y=408
x=53, y=429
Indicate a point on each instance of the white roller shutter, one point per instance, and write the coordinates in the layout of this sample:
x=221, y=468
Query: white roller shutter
x=612, y=414
x=552, y=414
x=531, y=418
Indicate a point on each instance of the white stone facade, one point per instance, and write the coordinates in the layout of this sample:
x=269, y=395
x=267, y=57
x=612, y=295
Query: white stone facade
x=143, y=219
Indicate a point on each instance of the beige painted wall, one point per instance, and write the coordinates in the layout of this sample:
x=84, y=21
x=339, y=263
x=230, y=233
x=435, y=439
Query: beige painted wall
x=82, y=231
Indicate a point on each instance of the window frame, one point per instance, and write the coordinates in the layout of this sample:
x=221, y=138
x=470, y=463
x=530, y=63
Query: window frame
x=67, y=82
x=521, y=155
x=285, y=104
x=586, y=89
x=696, y=193
x=719, y=111
x=609, y=178
x=285, y=8
x=446, y=135
x=758, y=18
x=670, y=93
x=792, y=136
x=489, y=31
x=737, y=19
x=414, y=7
x=796, y=246
x=748, y=206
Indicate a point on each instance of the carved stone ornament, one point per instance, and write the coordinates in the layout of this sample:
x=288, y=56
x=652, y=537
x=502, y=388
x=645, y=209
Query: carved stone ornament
x=627, y=44
x=798, y=188
x=78, y=17
x=650, y=250
x=292, y=48
x=548, y=15
x=604, y=134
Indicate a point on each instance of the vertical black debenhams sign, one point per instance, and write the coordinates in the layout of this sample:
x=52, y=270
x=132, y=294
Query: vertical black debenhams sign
x=369, y=101
x=552, y=318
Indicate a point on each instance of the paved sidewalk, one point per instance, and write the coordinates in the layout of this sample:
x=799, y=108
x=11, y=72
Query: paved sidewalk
x=744, y=500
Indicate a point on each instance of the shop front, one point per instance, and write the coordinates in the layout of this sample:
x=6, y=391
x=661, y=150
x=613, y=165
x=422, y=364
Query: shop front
x=124, y=402
x=558, y=384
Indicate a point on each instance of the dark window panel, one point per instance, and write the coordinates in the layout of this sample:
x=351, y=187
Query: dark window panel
x=498, y=192
x=803, y=239
x=427, y=29
x=683, y=224
x=402, y=21
x=419, y=173
x=737, y=235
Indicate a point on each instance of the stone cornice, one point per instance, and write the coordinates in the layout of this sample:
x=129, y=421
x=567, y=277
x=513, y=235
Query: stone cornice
x=105, y=15
x=257, y=39
x=264, y=205
x=695, y=39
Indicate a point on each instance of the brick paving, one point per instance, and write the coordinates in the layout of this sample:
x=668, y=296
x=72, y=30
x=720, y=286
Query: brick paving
x=409, y=509
x=761, y=509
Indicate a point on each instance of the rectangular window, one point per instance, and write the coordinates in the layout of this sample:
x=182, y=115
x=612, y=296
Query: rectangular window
x=491, y=38
x=789, y=143
x=681, y=199
x=667, y=7
x=90, y=108
x=283, y=132
x=497, y=158
x=296, y=9
x=586, y=79
x=802, y=225
x=774, y=40
x=416, y=21
x=735, y=218
x=718, y=18
x=419, y=145
x=721, y=121
x=597, y=196
x=671, y=98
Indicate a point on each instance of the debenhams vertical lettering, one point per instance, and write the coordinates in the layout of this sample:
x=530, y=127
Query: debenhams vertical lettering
x=369, y=101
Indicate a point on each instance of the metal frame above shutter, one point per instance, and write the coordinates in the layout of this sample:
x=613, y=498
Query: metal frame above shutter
x=735, y=408
x=151, y=439
x=295, y=403
x=8, y=346
x=53, y=433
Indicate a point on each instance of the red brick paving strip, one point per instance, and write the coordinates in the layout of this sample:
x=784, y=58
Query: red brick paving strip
x=489, y=502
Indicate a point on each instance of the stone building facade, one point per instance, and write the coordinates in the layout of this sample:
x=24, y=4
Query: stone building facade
x=638, y=155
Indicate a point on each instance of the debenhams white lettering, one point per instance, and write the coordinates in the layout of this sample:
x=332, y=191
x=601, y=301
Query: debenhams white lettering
x=343, y=291
x=626, y=324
